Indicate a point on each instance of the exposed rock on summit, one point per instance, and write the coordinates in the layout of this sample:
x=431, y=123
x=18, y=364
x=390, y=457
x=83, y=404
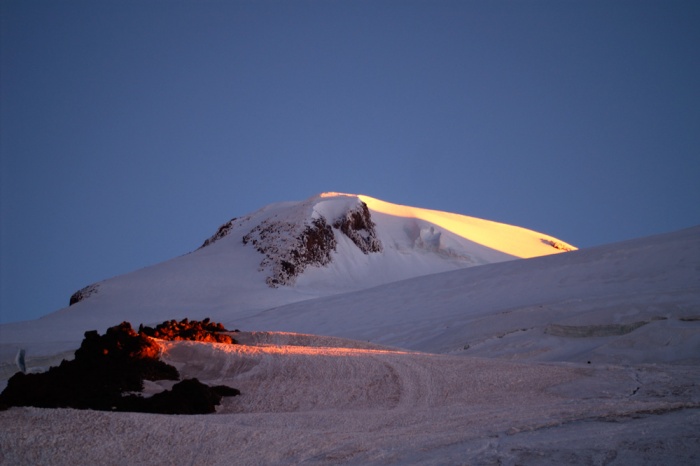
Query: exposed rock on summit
x=290, y=247
x=357, y=225
x=287, y=253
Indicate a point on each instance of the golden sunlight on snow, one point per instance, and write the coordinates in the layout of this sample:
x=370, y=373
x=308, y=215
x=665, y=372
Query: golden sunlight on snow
x=516, y=241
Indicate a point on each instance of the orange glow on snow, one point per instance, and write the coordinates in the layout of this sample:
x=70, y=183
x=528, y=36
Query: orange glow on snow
x=516, y=241
x=316, y=350
x=286, y=349
x=333, y=194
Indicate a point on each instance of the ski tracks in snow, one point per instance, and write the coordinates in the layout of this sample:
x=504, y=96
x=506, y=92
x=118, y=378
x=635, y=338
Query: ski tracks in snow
x=360, y=396
x=323, y=400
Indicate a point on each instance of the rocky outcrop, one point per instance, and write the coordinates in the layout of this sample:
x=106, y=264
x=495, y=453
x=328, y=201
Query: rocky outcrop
x=560, y=245
x=83, y=293
x=289, y=248
x=302, y=236
x=288, y=252
x=223, y=230
x=187, y=397
x=105, y=367
x=357, y=225
x=191, y=330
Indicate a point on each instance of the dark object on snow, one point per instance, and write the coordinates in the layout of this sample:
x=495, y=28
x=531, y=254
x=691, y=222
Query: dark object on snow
x=189, y=330
x=83, y=293
x=290, y=247
x=357, y=225
x=223, y=230
x=103, y=369
x=187, y=397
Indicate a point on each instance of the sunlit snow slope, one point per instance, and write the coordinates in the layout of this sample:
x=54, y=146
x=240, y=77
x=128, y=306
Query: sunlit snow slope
x=508, y=239
x=284, y=253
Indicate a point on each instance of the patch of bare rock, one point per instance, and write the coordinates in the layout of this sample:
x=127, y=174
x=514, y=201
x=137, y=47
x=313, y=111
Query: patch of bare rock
x=109, y=368
x=194, y=330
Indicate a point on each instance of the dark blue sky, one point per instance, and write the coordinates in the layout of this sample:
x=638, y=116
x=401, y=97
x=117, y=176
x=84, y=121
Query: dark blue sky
x=130, y=130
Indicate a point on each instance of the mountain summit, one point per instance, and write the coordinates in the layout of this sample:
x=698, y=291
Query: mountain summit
x=341, y=239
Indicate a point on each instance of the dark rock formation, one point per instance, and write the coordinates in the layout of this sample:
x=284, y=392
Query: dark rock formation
x=83, y=293
x=289, y=248
x=103, y=369
x=187, y=397
x=558, y=245
x=357, y=225
x=289, y=252
x=189, y=330
x=291, y=243
x=223, y=230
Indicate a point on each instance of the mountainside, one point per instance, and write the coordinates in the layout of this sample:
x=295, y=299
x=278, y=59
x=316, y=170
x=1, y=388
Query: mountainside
x=636, y=301
x=289, y=252
x=589, y=357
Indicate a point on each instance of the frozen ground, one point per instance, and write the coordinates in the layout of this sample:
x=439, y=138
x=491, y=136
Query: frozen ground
x=309, y=400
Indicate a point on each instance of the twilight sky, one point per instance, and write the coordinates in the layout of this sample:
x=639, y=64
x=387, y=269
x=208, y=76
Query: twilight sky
x=130, y=130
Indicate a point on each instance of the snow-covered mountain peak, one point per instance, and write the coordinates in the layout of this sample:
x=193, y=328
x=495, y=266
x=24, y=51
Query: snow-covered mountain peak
x=292, y=251
x=294, y=236
x=330, y=238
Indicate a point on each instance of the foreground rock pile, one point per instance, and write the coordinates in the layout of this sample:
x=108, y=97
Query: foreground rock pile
x=107, y=367
x=173, y=330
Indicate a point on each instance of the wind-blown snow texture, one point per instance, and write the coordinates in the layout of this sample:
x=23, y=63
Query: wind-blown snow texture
x=585, y=357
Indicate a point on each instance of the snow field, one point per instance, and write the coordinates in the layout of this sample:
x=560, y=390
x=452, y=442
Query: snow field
x=358, y=404
x=327, y=400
